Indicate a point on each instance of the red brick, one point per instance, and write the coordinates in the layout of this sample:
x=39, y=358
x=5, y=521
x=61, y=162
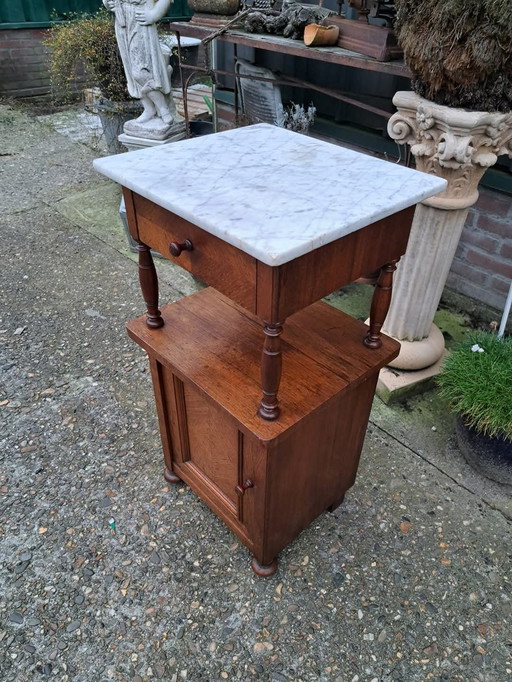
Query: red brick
x=501, y=285
x=498, y=226
x=31, y=51
x=460, y=253
x=493, y=203
x=484, y=294
x=464, y=269
x=506, y=250
x=494, y=264
x=482, y=240
x=30, y=59
x=471, y=218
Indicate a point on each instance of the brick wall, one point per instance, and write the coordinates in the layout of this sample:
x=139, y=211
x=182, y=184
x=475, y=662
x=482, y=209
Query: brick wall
x=23, y=63
x=482, y=267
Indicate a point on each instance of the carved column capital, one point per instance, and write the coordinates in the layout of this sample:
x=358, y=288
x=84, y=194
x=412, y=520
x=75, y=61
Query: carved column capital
x=454, y=144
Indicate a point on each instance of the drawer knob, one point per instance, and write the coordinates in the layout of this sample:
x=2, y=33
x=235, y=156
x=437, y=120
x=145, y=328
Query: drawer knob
x=176, y=248
x=240, y=489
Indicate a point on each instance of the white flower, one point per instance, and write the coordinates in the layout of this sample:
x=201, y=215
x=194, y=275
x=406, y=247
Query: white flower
x=477, y=349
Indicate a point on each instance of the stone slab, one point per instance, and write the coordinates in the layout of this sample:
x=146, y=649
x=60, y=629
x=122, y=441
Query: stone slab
x=257, y=188
x=395, y=384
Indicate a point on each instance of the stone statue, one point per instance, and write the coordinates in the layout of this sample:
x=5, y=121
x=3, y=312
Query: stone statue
x=147, y=73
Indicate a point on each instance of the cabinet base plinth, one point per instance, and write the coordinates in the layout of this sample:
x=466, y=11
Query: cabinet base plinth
x=264, y=571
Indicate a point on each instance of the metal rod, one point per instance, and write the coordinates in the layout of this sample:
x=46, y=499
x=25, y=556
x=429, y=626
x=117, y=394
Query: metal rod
x=290, y=80
x=506, y=312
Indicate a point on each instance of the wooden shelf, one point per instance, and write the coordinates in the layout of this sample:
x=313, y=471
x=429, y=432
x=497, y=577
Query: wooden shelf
x=296, y=48
x=217, y=344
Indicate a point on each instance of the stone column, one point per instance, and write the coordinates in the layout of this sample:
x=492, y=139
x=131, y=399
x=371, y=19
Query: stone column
x=458, y=146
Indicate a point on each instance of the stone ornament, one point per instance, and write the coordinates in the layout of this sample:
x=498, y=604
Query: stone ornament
x=147, y=74
x=454, y=144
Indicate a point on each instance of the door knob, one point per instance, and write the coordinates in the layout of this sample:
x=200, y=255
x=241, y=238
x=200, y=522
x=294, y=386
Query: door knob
x=240, y=489
x=176, y=248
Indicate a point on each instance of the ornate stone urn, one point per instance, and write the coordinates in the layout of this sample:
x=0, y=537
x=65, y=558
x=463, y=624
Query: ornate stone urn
x=459, y=146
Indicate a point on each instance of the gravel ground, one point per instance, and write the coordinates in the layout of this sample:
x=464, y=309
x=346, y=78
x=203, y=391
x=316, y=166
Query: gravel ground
x=109, y=573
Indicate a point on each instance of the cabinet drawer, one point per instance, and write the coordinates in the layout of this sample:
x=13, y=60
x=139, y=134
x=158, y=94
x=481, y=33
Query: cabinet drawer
x=221, y=265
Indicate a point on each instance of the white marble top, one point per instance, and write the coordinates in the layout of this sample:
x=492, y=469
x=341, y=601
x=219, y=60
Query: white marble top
x=270, y=192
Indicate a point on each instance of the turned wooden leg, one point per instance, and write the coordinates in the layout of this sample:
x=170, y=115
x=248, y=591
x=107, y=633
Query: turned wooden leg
x=149, y=285
x=381, y=301
x=171, y=477
x=271, y=362
x=262, y=570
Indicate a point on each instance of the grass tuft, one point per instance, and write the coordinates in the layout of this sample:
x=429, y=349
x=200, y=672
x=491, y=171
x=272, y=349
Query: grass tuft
x=478, y=385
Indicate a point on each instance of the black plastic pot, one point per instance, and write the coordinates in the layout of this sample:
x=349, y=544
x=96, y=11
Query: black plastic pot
x=490, y=456
x=198, y=128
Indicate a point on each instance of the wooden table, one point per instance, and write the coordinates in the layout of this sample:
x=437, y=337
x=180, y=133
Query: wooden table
x=240, y=210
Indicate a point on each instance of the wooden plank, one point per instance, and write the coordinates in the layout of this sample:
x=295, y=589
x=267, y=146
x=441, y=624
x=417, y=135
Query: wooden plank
x=320, y=272
x=197, y=107
x=228, y=269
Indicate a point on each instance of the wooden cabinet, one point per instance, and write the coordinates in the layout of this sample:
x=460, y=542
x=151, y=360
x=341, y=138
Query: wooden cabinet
x=266, y=479
x=263, y=392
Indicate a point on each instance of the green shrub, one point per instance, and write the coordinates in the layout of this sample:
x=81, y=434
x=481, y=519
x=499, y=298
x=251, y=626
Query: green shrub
x=84, y=48
x=478, y=384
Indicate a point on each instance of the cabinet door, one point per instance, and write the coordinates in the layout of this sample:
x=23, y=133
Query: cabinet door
x=206, y=449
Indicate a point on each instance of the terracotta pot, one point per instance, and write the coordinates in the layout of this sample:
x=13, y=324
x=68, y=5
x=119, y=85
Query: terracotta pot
x=490, y=456
x=316, y=35
x=227, y=7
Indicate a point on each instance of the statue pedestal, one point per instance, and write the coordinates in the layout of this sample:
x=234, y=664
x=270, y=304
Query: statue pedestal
x=133, y=143
x=459, y=146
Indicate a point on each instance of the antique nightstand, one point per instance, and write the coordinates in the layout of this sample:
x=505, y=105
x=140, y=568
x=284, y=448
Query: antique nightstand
x=273, y=221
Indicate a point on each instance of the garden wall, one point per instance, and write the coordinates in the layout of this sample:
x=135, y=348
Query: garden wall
x=23, y=63
x=482, y=267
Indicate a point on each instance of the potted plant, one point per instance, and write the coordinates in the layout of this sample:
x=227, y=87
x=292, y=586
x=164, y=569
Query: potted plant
x=460, y=53
x=476, y=380
x=83, y=53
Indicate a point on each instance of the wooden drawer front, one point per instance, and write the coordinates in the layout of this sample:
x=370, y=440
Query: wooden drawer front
x=222, y=266
x=304, y=280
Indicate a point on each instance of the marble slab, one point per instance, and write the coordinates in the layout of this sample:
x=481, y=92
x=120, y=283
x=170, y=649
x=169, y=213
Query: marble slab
x=272, y=193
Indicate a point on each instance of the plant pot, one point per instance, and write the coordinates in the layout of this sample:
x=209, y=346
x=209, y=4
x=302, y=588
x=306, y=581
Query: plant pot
x=316, y=35
x=113, y=116
x=490, y=456
x=198, y=128
x=225, y=7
